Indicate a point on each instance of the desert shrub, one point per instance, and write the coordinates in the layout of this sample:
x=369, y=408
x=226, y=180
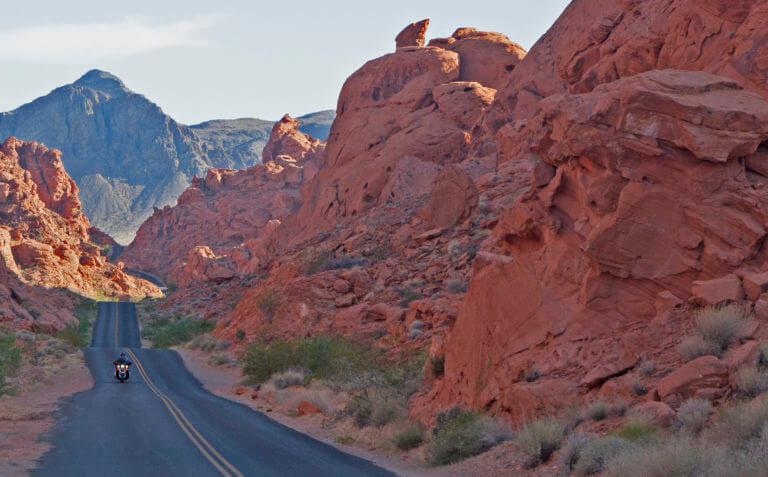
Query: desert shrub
x=437, y=365
x=171, y=286
x=460, y=434
x=693, y=414
x=239, y=335
x=167, y=333
x=206, y=342
x=719, y=325
x=385, y=410
x=410, y=437
x=571, y=452
x=638, y=386
x=328, y=358
x=285, y=379
x=219, y=359
x=268, y=301
x=694, y=346
x=740, y=425
x=751, y=381
x=10, y=361
x=646, y=367
x=677, y=457
x=78, y=334
x=635, y=429
x=456, y=286
x=538, y=439
x=360, y=408
x=597, y=453
x=327, y=260
x=407, y=296
x=763, y=354
x=598, y=411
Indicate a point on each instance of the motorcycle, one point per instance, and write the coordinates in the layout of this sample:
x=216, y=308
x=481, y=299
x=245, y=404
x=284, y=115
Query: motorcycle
x=121, y=372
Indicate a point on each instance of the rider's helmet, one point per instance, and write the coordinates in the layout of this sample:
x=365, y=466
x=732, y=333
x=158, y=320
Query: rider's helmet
x=122, y=355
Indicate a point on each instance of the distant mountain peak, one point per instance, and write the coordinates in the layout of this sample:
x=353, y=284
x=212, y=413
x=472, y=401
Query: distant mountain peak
x=102, y=81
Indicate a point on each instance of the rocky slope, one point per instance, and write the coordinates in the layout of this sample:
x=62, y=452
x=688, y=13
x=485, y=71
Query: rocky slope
x=126, y=155
x=45, y=242
x=210, y=232
x=594, y=193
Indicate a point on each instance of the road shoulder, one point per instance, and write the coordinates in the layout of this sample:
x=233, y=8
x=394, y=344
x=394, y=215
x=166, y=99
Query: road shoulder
x=222, y=380
x=26, y=416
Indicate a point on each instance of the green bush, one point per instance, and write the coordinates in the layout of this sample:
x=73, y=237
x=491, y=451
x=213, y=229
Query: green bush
x=268, y=301
x=328, y=358
x=10, y=361
x=360, y=408
x=410, y=437
x=167, y=333
x=635, y=430
x=460, y=434
x=539, y=439
x=437, y=365
x=79, y=334
x=597, y=453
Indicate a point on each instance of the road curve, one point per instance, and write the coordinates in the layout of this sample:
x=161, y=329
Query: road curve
x=161, y=422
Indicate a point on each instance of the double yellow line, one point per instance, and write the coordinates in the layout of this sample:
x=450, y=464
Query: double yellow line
x=198, y=440
x=117, y=323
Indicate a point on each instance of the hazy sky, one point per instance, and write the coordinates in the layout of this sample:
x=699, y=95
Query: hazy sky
x=227, y=59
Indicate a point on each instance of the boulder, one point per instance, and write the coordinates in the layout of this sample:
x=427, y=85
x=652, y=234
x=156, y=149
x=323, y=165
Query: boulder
x=306, y=408
x=719, y=290
x=755, y=284
x=454, y=197
x=704, y=376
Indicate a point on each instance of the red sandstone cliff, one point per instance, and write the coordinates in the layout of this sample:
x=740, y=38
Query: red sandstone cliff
x=45, y=240
x=589, y=191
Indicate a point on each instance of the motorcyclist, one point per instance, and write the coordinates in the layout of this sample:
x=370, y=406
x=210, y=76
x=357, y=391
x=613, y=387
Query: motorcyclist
x=121, y=360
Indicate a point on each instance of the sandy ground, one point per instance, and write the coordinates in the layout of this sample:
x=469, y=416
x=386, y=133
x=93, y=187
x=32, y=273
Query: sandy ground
x=502, y=460
x=23, y=418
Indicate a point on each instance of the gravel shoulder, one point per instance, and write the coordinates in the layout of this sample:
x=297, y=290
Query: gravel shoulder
x=26, y=416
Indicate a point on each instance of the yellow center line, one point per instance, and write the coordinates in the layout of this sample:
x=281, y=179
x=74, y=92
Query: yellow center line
x=117, y=324
x=197, y=439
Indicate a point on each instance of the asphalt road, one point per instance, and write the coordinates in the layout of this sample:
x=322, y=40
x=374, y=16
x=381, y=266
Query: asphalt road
x=162, y=422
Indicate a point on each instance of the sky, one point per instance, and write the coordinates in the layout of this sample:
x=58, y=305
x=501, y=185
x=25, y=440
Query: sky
x=202, y=60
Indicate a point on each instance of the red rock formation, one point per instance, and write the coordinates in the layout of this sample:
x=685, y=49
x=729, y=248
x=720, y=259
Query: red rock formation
x=412, y=35
x=210, y=233
x=620, y=191
x=649, y=199
x=44, y=241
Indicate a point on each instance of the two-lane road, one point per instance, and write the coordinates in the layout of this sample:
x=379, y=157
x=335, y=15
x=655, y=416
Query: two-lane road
x=162, y=422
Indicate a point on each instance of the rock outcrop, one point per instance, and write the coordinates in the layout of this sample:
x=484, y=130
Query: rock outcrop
x=594, y=193
x=209, y=234
x=45, y=241
x=647, y=200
